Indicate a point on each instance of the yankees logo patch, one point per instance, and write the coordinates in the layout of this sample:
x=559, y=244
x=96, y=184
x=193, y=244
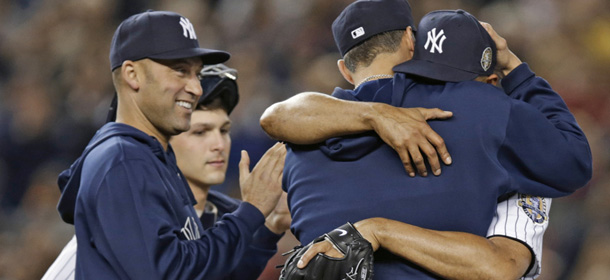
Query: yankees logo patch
x=535, y=207
x=188, y=31
x=435, y=40
x=190, y=229
x=486, y=58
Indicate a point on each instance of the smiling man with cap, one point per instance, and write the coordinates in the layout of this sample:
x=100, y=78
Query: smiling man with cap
x=130, y=204
x=522, y=140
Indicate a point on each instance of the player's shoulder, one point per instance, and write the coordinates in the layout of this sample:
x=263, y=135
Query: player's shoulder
x=223, y=201
x=123, y=142
x=488, y=98
x=113, y=153
x=464, y=89
x=117, y=148
x=479, y=89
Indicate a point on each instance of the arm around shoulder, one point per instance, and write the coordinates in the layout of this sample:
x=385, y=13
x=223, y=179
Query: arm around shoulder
x=309, y=118
x=312, y=117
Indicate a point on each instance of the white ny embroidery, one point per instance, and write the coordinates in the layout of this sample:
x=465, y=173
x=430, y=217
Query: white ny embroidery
x=190, y=229
x=433, y=40
x=188, y=31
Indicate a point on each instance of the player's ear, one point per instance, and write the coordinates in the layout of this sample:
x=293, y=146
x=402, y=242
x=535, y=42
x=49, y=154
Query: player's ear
x=129, y=73
x=492, y=79
x=347, y=75
x=410, y=39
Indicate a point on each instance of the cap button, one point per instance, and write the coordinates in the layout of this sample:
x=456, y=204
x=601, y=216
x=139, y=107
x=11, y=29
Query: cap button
x=460, y=11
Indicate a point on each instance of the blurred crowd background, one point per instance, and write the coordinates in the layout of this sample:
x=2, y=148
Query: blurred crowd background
x=55, y=88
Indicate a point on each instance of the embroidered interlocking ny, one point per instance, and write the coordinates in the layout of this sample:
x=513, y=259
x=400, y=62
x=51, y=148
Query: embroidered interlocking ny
x=187, y=28
x=433, y=40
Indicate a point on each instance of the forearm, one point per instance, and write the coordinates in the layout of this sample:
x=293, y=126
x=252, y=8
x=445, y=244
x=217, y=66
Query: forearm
x=552, y=140
x=451, y=255
x=522, y=84
x=260, y=251
x=310, y=117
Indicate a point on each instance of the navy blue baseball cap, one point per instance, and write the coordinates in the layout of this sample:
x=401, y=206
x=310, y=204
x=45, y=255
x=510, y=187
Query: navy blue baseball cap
x=159, y=35
x=365, y=18
x=451, y=46
x=219, y=81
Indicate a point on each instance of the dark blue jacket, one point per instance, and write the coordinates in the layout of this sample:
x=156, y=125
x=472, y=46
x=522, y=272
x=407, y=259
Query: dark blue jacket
x=133, y=214
x=262, y=248
x=523, y=141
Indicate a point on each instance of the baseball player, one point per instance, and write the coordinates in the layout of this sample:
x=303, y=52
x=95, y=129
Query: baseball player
x=202, y=155
x=417, y=201
x=131, y=206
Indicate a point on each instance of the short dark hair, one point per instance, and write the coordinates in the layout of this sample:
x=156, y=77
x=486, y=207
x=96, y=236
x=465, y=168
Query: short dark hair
x=211, y=104
x=364, y=53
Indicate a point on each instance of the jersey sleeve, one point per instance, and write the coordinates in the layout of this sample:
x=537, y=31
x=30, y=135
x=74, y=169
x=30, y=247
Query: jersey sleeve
x=140, y=235
x=254, y=261
x=523, y=218
x=543, y=144
x=64, y=265
x=260, y=250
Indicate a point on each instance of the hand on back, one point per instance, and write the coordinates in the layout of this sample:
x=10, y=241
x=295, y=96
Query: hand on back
x=408, y=133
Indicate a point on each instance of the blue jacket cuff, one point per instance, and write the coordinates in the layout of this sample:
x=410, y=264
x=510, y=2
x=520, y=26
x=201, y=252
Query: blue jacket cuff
x=516, y=77
x=250, y=215
x=265, y=239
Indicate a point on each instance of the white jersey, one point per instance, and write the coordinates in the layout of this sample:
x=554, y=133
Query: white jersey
x=525, y=218
x=520, y=217
x=63, y=267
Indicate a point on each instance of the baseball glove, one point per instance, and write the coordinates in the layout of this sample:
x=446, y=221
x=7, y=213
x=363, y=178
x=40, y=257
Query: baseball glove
x=357, y=262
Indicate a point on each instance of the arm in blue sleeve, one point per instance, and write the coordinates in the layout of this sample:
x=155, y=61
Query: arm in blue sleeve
x=522, y=84
x=543, y=139
x=142, y=234
x=254, y=261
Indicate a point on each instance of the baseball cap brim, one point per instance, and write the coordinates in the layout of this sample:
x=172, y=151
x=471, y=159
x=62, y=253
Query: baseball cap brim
x=435, y=71
x=209, y=56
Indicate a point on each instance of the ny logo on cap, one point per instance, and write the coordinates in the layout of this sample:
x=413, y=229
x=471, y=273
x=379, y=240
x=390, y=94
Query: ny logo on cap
x=433, y=40
x=188, y=31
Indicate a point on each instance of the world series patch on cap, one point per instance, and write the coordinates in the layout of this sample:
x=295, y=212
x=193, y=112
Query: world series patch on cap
x=159, y=35
x=451, y=46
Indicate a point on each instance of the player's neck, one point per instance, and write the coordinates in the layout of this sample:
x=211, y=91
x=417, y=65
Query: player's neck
x=381, y=67
x=201, y=195
x=130, y=114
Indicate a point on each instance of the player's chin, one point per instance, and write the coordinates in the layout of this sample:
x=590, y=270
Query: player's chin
x=181, y=125
x=214, y=177
x=215, y=180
